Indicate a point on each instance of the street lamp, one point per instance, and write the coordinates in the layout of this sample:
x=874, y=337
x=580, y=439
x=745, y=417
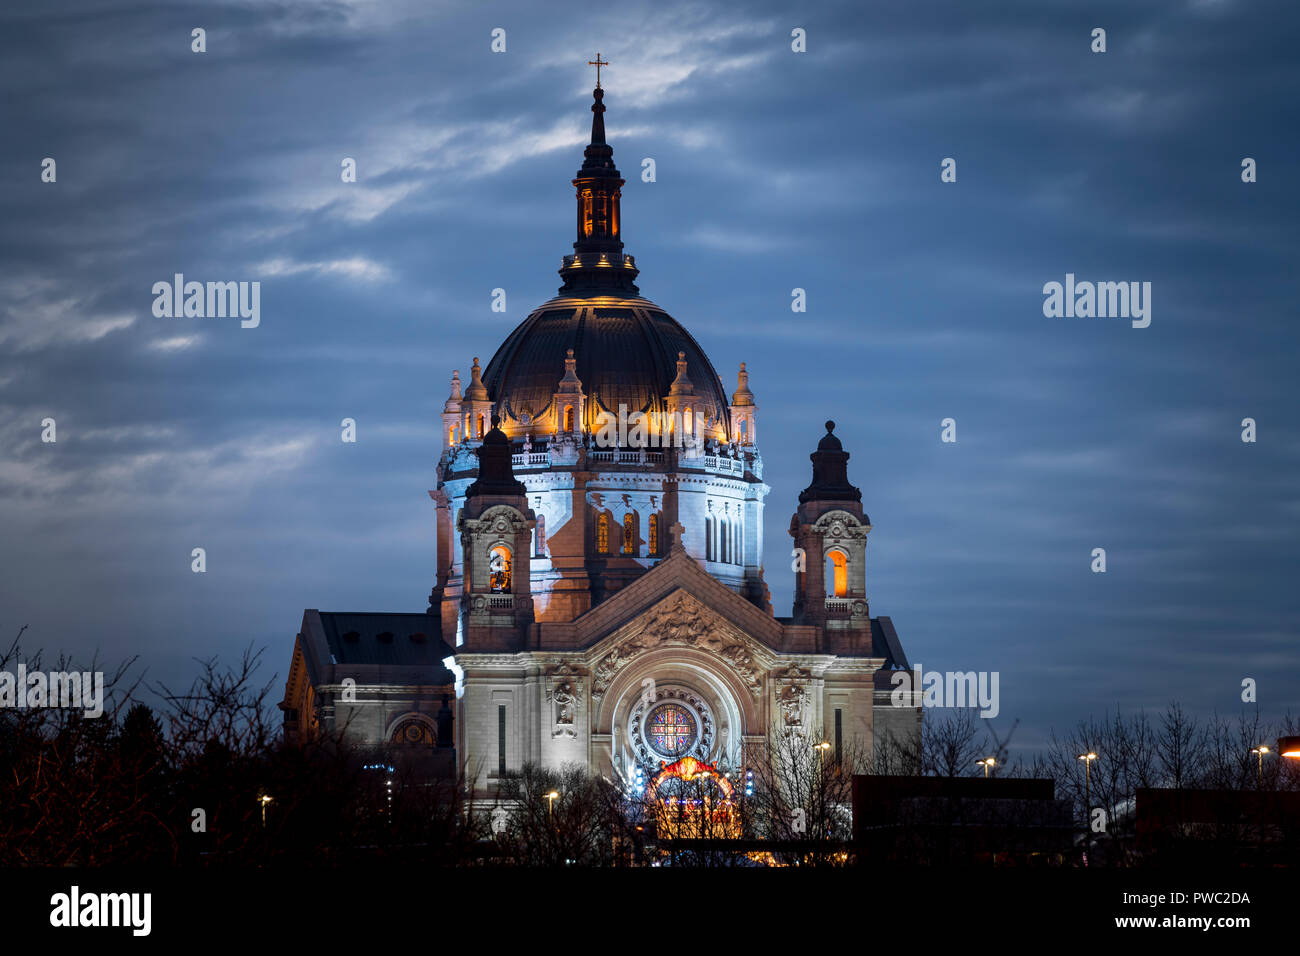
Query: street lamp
x=264, y=800
x=1087, y=759
x=1259, y=752
x=986, y=763
x=550, y=805
x=821, y=749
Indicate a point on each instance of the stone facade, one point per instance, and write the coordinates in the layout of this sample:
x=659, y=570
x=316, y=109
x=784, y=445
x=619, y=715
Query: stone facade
x=599, y=596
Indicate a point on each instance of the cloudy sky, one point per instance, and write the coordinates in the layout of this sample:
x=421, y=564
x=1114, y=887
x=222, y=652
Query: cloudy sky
x=776, y=170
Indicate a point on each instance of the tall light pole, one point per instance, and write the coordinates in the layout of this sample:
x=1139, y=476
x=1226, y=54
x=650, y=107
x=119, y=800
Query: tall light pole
x=821, y=749
x=550, y=806
x=1259, y=752
x=1087, y=759
x=986, y=763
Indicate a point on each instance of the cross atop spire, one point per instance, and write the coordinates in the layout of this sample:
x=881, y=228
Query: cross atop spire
x=598, y=63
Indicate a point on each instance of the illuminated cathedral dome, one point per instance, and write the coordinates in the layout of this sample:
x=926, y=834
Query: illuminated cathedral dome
x=626, y=352
x=615, y=426
x=626, y=349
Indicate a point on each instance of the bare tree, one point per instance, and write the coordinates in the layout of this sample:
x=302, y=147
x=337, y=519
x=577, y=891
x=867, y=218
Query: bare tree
x=803, y=793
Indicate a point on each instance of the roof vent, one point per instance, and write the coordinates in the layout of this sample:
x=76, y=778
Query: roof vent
x=351, y=637
x=384, y=637
x=418, y=638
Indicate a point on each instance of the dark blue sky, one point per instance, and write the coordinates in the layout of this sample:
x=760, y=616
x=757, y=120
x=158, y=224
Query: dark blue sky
x=776, y=170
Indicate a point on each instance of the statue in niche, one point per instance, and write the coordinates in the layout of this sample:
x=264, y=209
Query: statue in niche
x=793, y=700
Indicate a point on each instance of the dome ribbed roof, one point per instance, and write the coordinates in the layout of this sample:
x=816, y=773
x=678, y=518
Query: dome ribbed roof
x=626, y=351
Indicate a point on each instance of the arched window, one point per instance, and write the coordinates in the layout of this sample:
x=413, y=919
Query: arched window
x=837, y=573
x=568, y=418
x=499, y=569
x=744, y=430
x=602, y=534
x=708, y=538
x=413, y=732
x=586, y=212
x=654, y=535
x=480, y=426
x=736, y=557
x=539, y=537
x=688, y=422
x=629, y=533
x=451, y=435
x=724, y=550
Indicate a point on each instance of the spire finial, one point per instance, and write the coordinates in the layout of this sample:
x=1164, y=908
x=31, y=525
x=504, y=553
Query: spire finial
x=598, y=63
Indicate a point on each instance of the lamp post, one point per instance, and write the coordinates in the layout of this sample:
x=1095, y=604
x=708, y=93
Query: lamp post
x=986, y=763
x=264, y=800
x=1259, y=752
x=1087, y=759
x=550, y=806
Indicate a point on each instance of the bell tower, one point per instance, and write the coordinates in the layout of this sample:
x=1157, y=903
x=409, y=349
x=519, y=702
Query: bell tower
x=496, y=531
x=831, y=529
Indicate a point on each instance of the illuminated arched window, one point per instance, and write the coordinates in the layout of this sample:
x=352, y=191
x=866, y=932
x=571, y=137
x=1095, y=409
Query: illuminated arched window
x=629, y=533
x=413, y=732
x=568, y=418
x=480, y=426
x=654, y=534
x=451, y=435
x=688, y=422
x=602, y=534
x=586, y=212
x=499, y=569
x=837, y=576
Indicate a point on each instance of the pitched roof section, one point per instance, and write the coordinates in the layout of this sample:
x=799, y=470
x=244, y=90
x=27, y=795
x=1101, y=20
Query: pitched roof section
x=411, y=640
x=358, y=639
x=885, y=643
x=678, y=570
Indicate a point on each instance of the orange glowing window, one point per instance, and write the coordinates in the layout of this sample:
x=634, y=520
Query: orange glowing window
x=629, y=534
x=654, y=534
x=499, y=569
x=602, y=534
x=568, y=418
x=838, y=564
x=480, y=426
x=586, y=212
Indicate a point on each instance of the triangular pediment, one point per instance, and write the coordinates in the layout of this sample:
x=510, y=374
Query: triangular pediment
x=678, y=573
x=680, y=621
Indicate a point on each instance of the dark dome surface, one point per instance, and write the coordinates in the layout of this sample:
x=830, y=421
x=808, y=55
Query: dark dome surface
x=626, y=351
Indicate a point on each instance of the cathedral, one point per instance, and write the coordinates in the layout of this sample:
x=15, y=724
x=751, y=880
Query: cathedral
x=599, y=596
